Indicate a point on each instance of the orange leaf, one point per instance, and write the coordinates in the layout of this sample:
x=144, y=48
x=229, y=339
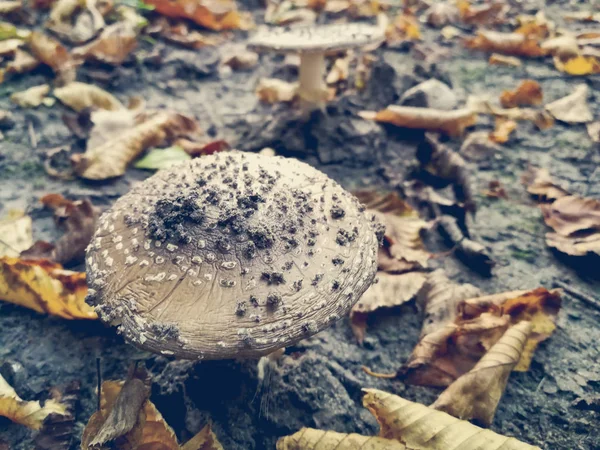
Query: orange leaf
x=515, y=44
x=503, y=130
x=578, y=65
x=212, y=14
x=529, y=93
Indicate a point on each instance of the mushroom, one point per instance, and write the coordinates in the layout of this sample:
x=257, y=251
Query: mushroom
x=313, y=43
x=230, y=255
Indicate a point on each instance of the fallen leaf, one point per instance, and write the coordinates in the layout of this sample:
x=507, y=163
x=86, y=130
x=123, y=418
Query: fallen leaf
x=58, y=430
x=403, y=249
x=404, y=27
x=75, y=20
x=578, y=65
x=211, y=14
x=113, y=46
x=273, y=90
x=30, y=414
x=204, y=440
x=159, y=158
x=312, y=439
x=453, y=123
x=539, y=183
x=477, y=147
x=485, y=14
x=16, y=234
x=78, y=219
x=563, y=46
x=10, y=6
x=513, y=44
x=503, y=130
x=8, y=46
x=476, y=394
x=339, y=70
x=541, y=118
x=196, y=149
x=572, y=214
x=109, y=158
x=22, y=62
x=45, y=287
x=285, y=17
x=389, y=291
x=32, y=97
x=239, y=58
x=529, y=93
x=580, y=245
x=593, y=129
x=181, y=34
x=573, y=108
x=583, y=16
x=503, y=60
x=79, y=96
x=422, y=428
x=52, y=53
x=440, y=14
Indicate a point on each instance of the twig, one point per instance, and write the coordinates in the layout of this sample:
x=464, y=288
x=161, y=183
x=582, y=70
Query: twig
x=99, y=377
x=584, y=297
x=32, y=136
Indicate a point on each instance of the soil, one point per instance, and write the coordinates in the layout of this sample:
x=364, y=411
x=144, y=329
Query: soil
x=318, y=382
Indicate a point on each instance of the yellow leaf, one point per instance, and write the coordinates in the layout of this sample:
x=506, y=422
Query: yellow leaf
x=311, y=439
x=31, y=414
x=79, y=96
x=44, y=287
x=503, y=130
x=32, y=97
x=476, y=394
x=422, y=428
x=578, y=65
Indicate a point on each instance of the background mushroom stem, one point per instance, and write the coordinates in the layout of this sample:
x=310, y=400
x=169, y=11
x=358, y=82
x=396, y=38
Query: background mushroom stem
x=312, y=90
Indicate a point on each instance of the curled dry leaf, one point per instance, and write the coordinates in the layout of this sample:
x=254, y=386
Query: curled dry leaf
x=45, y=287
x=513, y=44
x=113, y=46
x=212, y=14
x=540, y=184
x=503, y=130
x=57, y=431
x=30, y=414
x=593, y=130
x=312, y=439
x=572, y=214
x=578, y=65
x=573, y=108
x=196, y=149
x=453, y=123
x=488, y=13
x=404, y=27
x=403, y=250
x=529, y=93
x=273, y=90
x=16, y=234
x=52, y=53
x=75, y=20
x=32, y=97
x=21, y=62
x=440, y=14
x=390, y=290
x=180, y=33
x=583, y=245
x=79, y=96
x=476, y=394
x=565, y=46
x=422, y=428
x=78, y=219
x=496, y=59
x=541, y=118
x=109, y=158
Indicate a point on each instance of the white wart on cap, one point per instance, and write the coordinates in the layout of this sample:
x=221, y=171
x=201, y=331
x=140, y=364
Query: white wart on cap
x=313, y=43
x=230, y=255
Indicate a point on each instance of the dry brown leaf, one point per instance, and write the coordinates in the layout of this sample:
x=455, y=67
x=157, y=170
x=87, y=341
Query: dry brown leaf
x=312, y=439
x=389, y=291
x=339, y=70
x=529, y=93
x=495, y=190
x=197, y=149
x=564, y=46
x=78, y=219
x=476, y=394
x=239, y=58
x=513, y=44
x=404, y=27
x=572, y=214
x=22, y=62
x=45, y=287
x=485, y=14
x=15, y=233
x=108, y=158
x=180, y=33
x=503, y=60
x=52, y=53
x=573, y=108
x=30, y=414
x=8, y=46
x=593, y=129
x=539, y=183
x=32, y=97
x=440, y=14
x=503, y=130
x=75, y=20
x=113, y=46
x=79, y=96
x=273, y=90
x=541, y=118
x=212, y=14
x=578, y=65
x=453, y=123
x=57, y=432
x=583, y=16
x=403, y=249
x=580, y=245
x=422, y=428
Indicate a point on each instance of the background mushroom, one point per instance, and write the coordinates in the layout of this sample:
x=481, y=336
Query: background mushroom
x=230, y=255
x=313, y=43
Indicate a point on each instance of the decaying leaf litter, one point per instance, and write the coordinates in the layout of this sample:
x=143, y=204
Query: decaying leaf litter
x=550, y=404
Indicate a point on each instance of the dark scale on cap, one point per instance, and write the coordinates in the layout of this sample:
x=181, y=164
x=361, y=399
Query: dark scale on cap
x=217, y=237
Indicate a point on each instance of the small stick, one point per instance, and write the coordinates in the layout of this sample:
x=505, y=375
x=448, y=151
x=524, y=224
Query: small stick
x=32, y=135
x=584, y=297
x=99, y=377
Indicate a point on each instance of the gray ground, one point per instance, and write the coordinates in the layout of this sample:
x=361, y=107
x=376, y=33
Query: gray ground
x=318, y=383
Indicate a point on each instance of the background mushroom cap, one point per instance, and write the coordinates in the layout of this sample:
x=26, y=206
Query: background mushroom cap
x=316, y=38
x=230, y=255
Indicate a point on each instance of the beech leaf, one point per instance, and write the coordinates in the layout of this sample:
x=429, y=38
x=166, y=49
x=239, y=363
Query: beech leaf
x=512, y=44
x=540, y=184
x=32, y=97
x=52, y=53
x=311, y=439
x=573, y=108
x=113, y=46
x=79, y=96
x=528, y=93
x=273, y=90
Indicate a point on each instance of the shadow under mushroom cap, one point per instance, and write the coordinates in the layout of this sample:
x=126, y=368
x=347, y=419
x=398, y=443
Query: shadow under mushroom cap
x=230, y=255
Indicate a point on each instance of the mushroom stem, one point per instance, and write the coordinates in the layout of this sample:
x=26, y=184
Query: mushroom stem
x=312, y=90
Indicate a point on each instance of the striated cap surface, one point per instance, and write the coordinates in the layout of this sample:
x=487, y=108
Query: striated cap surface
x=230, y=255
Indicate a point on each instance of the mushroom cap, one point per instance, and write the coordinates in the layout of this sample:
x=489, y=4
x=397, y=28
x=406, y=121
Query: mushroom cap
x=230, y=255
x=317, y=38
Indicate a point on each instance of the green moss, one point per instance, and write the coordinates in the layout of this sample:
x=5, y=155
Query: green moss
x=27, y=169
x=523, y=254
